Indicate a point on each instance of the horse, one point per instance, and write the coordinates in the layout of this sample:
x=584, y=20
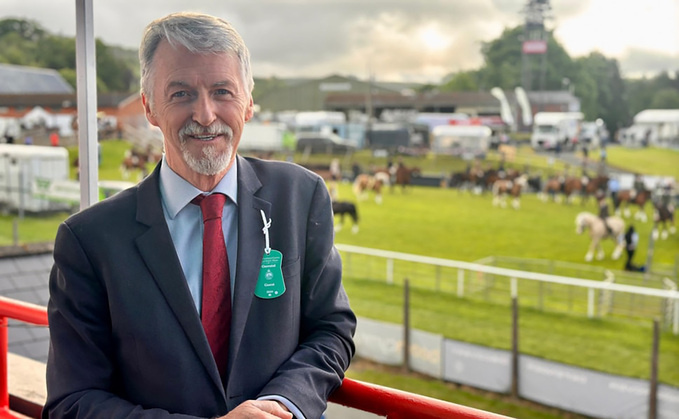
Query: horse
x=662, y=216
x=404, y=175
x=573, y=185
x=594, y=185
x=552, y=188
x=343, y=208
x=598, y=232
x=364, y=183
x=504, y=187
x=626, y=197
x=459, y=180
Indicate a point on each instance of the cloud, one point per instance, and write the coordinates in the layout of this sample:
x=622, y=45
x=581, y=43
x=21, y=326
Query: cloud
x=394, y=39
x=638, y=63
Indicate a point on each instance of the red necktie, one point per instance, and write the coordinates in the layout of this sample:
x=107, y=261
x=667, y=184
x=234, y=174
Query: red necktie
x=216, y=300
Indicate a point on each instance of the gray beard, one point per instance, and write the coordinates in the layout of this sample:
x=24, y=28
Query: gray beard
x=211, y=163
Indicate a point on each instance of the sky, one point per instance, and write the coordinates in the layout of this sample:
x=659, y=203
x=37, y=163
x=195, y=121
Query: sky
x=394, y=40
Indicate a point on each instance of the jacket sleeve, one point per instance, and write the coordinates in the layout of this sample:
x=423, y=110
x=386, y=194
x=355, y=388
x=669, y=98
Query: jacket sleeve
x=81, y=372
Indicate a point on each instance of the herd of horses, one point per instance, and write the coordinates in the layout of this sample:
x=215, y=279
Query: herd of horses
x=511, y=184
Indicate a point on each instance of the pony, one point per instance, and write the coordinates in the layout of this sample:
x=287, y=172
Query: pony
x=504, y=187
x=364, y=183
x=625, y=197
x=343, y=208
x=551, y=189
x=133, y=160
x=572, y=186
x=404, y=175
x=592, y=186
x=662, y=216
x=597, y=232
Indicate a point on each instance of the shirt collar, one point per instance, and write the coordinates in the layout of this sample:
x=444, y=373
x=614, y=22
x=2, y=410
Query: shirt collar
x=176, y=192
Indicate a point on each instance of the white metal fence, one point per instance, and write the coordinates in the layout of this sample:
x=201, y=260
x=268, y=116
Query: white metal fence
x=544, y=291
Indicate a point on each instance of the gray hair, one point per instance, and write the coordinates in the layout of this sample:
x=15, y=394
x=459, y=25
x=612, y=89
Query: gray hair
x=199, y=33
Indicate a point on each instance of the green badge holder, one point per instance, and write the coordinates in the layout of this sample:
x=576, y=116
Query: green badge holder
x=270, y=283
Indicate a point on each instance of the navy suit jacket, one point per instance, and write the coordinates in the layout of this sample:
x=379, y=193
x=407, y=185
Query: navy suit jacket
x=126, y=338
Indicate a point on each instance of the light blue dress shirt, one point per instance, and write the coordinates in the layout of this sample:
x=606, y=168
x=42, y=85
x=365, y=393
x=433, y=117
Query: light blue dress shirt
x=185, y=222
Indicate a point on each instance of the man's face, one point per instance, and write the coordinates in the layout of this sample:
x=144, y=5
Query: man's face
x=201, y=105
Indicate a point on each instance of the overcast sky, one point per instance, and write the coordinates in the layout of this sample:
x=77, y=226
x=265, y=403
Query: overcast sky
x=397, y=40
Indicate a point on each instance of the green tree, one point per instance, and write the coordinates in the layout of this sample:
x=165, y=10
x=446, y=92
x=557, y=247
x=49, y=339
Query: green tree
x=665, y=99
x=26, y=29
x=601, y=90
x=463, y=81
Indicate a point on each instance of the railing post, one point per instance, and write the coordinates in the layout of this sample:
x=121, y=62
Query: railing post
x=406, y=325
x=4, y=391
x=590, y=302
x=390, y=271
x=653, y=391
x=460, y=282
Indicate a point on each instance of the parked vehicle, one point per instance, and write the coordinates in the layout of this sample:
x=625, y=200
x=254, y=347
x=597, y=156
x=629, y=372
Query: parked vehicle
x=592, y=134
x=552, y=128
x=466, y=141
x=319, y=142
x=263, y=137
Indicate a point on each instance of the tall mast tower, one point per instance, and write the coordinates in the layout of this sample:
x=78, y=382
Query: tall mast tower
x=534, y=44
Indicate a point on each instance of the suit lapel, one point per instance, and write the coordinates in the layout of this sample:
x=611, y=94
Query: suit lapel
x=159, y=254
x=250, y=250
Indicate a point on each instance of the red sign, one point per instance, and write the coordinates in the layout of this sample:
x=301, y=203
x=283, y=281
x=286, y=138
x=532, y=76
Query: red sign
x=534, y=47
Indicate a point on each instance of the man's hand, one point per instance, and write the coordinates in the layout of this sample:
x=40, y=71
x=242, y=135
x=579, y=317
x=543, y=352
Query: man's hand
x=265, y=409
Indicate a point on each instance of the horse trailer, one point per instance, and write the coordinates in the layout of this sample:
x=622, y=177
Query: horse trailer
x=23, y=168
x=466, y=141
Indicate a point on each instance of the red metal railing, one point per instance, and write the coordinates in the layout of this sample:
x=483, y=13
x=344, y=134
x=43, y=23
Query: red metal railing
x=382, y=401
x=25, y=312
x=397, y=404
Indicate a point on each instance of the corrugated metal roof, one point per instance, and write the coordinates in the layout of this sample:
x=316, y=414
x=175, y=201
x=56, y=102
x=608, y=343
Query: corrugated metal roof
x=16, y=79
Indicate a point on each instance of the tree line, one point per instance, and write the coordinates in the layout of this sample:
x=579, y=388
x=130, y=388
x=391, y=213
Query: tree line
x=27, y=43
x=594, y=79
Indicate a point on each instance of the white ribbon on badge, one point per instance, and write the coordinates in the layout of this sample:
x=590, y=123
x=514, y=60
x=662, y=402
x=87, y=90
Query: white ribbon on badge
x=265, y=230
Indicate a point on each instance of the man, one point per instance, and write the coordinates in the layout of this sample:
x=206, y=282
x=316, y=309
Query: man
x=604, y=212
x=631, y=242
x=126, y=289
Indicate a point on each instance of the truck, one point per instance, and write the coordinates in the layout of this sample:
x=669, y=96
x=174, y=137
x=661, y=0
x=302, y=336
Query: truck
x=552, y=128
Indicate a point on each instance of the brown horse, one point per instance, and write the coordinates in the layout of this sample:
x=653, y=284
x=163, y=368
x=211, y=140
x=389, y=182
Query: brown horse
x=404, y=176
x=558, y=187
x=594, y=185
x=503, y=188
x=552, y=188
x=626, y=197
x=663, y=216
x=364, y=183
x=572, y=186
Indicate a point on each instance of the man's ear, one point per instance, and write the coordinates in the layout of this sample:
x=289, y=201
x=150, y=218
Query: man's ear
x=147, y=110
x=250, y=111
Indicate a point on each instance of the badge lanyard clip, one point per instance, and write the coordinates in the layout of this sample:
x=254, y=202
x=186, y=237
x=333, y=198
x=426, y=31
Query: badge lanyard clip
x=265, y=230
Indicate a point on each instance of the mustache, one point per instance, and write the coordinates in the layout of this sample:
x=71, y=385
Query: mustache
x=216, y=128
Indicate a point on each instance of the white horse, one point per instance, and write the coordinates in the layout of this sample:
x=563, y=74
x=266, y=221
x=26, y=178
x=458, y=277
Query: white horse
x=598, y=232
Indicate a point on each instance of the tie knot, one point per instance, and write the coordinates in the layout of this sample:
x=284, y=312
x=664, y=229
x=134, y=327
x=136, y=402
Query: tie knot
x=210, y=205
